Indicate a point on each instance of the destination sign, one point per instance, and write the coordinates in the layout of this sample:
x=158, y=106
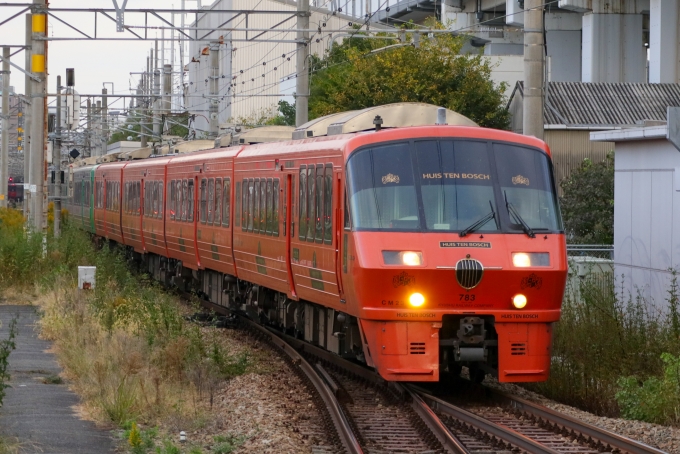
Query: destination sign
x=472, y=244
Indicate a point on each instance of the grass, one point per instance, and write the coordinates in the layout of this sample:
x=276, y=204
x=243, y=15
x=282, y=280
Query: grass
x=9, y=445
x=607, y=344
x=125, y=347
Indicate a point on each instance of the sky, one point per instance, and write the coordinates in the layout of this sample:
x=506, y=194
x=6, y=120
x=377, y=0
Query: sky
x=94, y=62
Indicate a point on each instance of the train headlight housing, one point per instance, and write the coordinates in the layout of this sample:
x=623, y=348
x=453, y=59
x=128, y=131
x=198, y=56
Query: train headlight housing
x=406, y=258
x=526, y=259
x=519, y=301
x=416, y=299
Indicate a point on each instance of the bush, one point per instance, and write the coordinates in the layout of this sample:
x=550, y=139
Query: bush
x=606, y=334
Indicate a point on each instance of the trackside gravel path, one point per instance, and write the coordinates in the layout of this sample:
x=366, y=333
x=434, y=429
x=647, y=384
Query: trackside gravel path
x=41, y=415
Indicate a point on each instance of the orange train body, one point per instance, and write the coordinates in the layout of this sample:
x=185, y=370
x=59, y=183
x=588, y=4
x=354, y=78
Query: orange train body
x=329, y=238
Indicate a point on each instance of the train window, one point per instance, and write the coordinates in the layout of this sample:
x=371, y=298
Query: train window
x=155, y=199
x=256, y=207
x=240, y=204
x=456, y=185
x=218, y=202
x=147, y=198
x=226, y=196
x=383, y=189
x=263, y=206
x=270, y=206
x=525, y=178
x=319, y=220
x=211, y=200
x=117, y=196
x=160, y=200
x=251, y=186
x=302, y=200
x=276, y=194
x=138, y=198
x=328, y=204
x=125, y=198
x=184, y=200
x=204, y=184
x=311, y=202
x=190, y=199
x=348, y=222
x=171, y=199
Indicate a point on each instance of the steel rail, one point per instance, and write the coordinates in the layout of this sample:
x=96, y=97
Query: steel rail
x=507, y=435
x=624, y=444
x=342, y=426
x=443, y=434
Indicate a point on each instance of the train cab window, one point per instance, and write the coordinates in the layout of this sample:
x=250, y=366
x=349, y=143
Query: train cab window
x=147, y=198
x=382, y=188
x=190, y=200
x=311, y=202
x=211, y=200
x=255, y=213
x=328, y=204
x=184, y=201
x=251, y=189
x=239, y=205
x=218, y=202
x=270, y=206
x=526, y=183
x=276, y=194
x=348, y=221
x=319, y=220
x=155, y=199
x=302, y=201
x=226, y=200
x=202, y=207
x=456, y=185
x=171, y=199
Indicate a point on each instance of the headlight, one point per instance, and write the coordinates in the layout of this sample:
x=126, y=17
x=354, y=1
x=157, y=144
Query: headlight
x=416, y=300
x=526, y=259
x=408, y=258
x=519, y=301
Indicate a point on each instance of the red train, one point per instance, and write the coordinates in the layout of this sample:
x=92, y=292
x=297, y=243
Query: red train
x=15, y=191
x=416, y=250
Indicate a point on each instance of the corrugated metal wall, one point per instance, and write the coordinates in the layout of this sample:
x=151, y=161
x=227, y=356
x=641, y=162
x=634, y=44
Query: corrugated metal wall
x=569, y=149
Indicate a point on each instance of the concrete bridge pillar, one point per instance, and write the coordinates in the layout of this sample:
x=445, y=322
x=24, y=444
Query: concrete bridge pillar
x=664, y=56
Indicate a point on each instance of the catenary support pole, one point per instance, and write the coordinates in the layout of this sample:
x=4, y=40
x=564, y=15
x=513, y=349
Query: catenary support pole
x=98, y=129
x=213, y=114
x=302, y=81
x=156, y=105
x=4, y=150
x=533, y=68
x=27, y=119
x=167, y=89
x=88, y=129
x=38, y=120
x=105, y=120
x=56, y=163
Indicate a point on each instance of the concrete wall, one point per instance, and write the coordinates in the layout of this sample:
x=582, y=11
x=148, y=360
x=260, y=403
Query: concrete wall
x=647, y=217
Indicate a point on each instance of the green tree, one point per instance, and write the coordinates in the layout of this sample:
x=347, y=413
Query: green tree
x=588, y=203
x=286, y=116
x=363, y=72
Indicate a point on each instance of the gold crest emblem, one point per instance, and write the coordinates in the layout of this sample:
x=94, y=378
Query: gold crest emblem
x=519, y=179
x=389, y=178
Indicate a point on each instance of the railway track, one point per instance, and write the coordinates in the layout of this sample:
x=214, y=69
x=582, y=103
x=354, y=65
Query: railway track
x=362, y=413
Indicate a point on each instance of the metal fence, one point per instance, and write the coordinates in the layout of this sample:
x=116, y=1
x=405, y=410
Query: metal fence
x=602, y=251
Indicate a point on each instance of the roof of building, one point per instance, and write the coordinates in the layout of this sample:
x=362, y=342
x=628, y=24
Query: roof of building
x=605, y=104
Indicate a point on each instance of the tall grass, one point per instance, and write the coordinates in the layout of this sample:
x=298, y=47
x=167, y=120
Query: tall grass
x=604, y=335
x=125, y=346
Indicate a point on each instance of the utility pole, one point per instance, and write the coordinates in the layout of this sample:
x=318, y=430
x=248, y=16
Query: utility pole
x=56, y=162
x=533, y=68
x=98, y=129
x=302, y=81
x=27, y=119
x=88, y=130
x=39, y=116
x=105, y=120
x=167, y=89
x=4, y=155
x=214, y=91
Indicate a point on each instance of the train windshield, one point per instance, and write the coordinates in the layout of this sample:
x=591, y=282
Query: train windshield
x=451, y=185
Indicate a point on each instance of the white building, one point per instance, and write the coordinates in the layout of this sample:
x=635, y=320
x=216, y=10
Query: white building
x=254, y=73
x=646, y=207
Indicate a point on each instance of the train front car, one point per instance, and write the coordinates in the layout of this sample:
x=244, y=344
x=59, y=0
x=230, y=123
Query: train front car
x=454, y=252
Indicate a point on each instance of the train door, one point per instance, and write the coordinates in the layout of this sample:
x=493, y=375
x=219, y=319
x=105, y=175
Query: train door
x=193, y=207
x=142, y=201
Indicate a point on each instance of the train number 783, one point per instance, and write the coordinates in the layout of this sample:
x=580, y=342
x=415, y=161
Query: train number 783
x=466, y=297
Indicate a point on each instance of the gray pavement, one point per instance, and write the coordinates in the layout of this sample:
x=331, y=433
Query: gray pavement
x=40, y=415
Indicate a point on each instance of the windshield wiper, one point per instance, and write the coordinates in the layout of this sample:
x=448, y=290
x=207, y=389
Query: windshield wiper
x=480, y=223
x=513, y=212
